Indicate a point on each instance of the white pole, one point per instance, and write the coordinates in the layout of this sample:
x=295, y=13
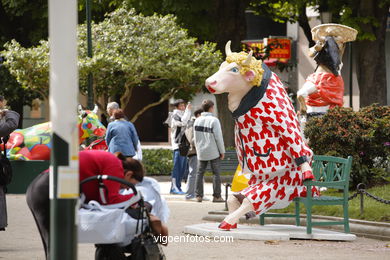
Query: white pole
x=64, y=178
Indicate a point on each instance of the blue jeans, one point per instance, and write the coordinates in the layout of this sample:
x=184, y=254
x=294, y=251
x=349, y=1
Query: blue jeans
x=179, y=167
x=192, y=169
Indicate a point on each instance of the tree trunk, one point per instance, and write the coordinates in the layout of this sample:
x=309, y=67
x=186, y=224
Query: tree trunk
x=230, y=24
x=226, y=119
x=17, y=106
x=371, y=62
x=303, y=22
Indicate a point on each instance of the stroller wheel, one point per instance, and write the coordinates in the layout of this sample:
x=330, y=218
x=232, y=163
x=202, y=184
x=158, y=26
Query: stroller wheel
x=109, y=252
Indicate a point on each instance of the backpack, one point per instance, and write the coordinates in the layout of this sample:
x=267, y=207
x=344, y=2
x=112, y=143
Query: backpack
x=184, y=145
x=5, y=165
x=181, y=139
x=168, y=121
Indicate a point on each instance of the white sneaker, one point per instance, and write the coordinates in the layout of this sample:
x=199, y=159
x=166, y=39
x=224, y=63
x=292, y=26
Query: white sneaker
x=205, y=198
x=190, y=198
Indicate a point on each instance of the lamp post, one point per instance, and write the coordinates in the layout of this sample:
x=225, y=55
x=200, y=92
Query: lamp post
x=88, y=4
x=64, y=176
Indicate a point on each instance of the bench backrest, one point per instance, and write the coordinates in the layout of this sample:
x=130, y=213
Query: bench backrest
x=332, y=169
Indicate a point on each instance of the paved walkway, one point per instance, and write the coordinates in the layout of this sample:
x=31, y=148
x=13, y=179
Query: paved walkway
x=207, y=189
x=21, y=241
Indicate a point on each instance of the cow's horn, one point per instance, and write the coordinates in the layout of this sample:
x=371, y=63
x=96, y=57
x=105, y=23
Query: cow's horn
x=227, y=48
x=248, y=60
x=80, y=109
x=95, y=109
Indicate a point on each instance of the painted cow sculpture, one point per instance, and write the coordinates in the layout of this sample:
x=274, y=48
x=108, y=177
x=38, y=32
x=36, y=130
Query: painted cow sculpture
x=267, y=136
x=34, y=143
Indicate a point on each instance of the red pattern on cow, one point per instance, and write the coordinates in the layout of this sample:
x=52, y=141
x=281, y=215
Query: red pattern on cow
x=274, y=182
x=281, y=193
x=279, y=116
x=271, y=93
x=267, y=194
x=265, y=131
x=255, y=111
x=296, y=180
x=268, y=205
x=257, y=205
x=294, y=194
x=268, y=145
x=252, y=135
x=249, y=151
x=281, y=102
x=285, y=159
x=248, y=121
x=286, y=177
x=272, y=160
x=259, y=163
x=268, y=106
x=271, y=124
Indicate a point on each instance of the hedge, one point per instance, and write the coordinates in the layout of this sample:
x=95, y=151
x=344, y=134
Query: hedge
x=364, y=134
x=157, y=161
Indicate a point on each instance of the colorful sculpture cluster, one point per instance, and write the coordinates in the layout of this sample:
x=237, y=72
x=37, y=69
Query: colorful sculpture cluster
x=34, y=143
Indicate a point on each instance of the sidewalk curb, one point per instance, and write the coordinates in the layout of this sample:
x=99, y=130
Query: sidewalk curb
x=208, y=179
x=370, y=229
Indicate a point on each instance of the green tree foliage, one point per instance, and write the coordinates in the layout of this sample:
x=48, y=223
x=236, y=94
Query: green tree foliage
x=130, y=51
x=27, y=23
x=30, y=66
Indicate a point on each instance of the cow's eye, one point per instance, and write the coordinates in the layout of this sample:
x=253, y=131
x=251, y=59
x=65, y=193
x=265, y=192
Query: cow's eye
x=234, y=69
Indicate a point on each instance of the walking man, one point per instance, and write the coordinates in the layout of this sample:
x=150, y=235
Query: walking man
x=210, y=148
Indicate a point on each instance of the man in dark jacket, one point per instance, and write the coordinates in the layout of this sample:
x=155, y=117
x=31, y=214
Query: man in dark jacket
x=9, y=121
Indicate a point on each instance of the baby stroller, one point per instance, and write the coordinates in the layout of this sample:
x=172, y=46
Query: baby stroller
x=137, y=246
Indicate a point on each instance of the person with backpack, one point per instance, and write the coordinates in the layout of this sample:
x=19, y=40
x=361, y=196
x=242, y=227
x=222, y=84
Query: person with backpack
x=179, y=119
x=9, y=121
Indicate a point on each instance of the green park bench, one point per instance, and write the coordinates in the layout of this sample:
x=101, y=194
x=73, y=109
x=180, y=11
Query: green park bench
x=229, y=164
x=329, y=172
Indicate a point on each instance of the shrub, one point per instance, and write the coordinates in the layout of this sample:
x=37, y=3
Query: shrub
x=157, y=161
x=365, y=135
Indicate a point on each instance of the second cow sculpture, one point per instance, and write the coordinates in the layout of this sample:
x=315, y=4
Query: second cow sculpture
x=267, y=135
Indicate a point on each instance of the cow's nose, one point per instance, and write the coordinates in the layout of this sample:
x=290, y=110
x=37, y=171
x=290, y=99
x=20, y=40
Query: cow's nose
x=211, y=83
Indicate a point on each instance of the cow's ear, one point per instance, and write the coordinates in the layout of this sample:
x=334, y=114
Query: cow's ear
x=249, y=75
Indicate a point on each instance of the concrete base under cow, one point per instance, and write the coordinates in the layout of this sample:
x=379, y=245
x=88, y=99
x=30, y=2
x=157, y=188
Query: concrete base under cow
x=267, y=232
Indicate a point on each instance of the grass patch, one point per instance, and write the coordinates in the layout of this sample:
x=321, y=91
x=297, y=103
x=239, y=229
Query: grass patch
x=372, y=211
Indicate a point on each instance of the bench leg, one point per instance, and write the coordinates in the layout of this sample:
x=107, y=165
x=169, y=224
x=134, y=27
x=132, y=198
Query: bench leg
x=308, y=220
x=346, y=218
x=297, y=214
x=262, y=222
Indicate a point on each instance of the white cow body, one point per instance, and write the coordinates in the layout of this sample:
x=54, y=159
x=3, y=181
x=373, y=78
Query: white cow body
x=267, y=136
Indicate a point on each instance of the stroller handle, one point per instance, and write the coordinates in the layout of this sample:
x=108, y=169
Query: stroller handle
x=100, y=178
